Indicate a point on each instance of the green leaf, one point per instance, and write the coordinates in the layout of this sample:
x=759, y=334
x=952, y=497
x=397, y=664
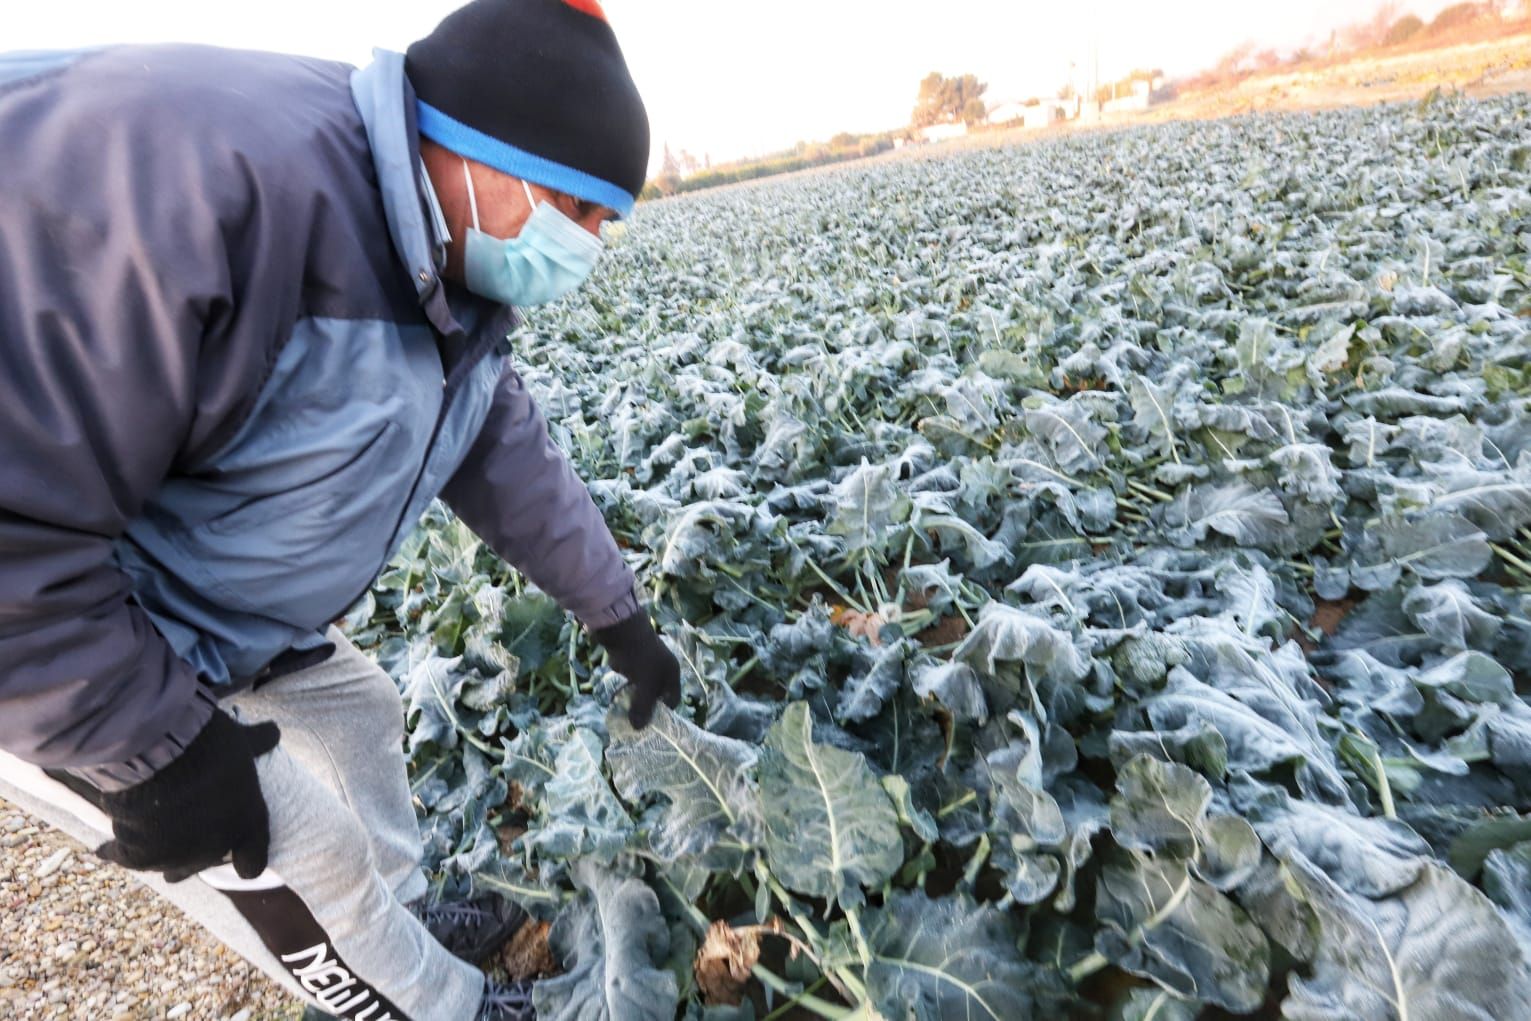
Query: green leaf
x=868, y=506
x=1472, y=846
x=1004, y=634
x=947, y=959
x=1162, y=809
x=1161, y=922
x=612, y=944
x=1066, y=430
x=1153, y=410
x=1449, y=614
x=1434, y=547
x=1029, y=834
x=710, y=808
x=1435, y=949
x=1507, y=882
x=830, y=830
x=577, y=815
x=1248, y=516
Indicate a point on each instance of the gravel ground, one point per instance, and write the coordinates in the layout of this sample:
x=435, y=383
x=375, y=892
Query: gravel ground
x=81, y=939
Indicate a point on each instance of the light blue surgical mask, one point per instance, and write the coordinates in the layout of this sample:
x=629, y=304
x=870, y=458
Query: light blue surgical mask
x=550, y=257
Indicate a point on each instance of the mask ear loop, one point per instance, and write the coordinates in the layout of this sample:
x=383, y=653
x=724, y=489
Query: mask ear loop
x=531, y=203
x=472, y=198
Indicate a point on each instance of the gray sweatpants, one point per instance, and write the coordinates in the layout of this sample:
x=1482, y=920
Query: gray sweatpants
x=344, y=846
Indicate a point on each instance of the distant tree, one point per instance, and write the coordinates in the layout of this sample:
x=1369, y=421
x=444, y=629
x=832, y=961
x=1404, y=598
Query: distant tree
x=948, y=100
x=669, y=173
x=930, y=102
x=1266, y=60
x=1233, y=62
x=1404, y=29
x=1365, y=34
x=844, y=140
x=1066, y=93
x=1459, y=16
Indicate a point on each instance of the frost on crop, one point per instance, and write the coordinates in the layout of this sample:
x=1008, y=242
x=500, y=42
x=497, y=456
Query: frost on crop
x=1101, y=575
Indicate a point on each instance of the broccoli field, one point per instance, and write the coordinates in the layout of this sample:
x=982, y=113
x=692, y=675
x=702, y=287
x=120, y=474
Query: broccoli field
x=1101, y=572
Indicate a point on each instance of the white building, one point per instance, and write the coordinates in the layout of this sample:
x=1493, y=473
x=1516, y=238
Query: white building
x=1030, y=115
x=942, y=132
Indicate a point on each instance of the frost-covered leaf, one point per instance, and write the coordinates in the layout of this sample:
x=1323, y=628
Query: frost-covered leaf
x=1433, y=547
x=1066, y=429
x=1248, y=516
x=1029, y=836
x=947, y=959
x=1436, y=948
x=1507, y=881
x=1161, y=922
x=710, y=806
x=612, y=944
x=1005, y=634
x=868, y=505
x=830, y=830
x=1163, y=809
x=1369, y=857
x=1448, y=613
x=577, y=815
x=955, y=686
x=1153, y=410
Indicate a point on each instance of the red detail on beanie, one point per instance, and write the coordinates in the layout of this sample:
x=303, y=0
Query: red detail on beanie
x=590, y=7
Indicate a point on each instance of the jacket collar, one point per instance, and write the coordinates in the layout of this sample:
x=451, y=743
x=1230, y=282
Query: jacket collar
x=386, y=101
x=384, y=98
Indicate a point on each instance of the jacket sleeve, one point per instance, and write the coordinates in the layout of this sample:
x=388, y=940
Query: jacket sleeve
x=113, y=279
x=518, y=492
x=96, y=379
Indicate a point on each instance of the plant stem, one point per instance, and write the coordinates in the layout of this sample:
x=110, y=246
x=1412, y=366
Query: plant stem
x=1150, y=491
x=809, y=1002
x=947, y=810
x=1510, y=558
x=835, y=586
x=1384, y=789
x=862, y=949
x=738, y=675
x=803, y=998
x=1086, y=966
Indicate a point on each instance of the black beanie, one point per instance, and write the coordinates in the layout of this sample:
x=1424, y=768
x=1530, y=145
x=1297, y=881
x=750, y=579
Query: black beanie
x=537, y=89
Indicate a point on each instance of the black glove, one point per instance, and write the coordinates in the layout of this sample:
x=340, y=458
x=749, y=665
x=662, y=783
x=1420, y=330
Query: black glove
x=635, y=652
x=196, y=811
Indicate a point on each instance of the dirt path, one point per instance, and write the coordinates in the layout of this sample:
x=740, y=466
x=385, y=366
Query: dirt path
x=81, y=939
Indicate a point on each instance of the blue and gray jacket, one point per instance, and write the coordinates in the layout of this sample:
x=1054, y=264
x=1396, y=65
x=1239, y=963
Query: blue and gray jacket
x=231, y=380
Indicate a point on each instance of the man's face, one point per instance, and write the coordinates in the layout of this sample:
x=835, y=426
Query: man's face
x=500, y=198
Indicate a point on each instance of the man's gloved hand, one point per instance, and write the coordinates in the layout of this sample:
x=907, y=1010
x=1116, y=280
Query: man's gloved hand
x=635, y=652
x=196, y=811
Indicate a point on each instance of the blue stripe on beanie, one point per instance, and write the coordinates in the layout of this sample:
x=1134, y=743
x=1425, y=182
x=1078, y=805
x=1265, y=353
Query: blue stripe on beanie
x=506, y=158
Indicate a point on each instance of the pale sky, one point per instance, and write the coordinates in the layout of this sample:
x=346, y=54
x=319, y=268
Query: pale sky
x=732, y=79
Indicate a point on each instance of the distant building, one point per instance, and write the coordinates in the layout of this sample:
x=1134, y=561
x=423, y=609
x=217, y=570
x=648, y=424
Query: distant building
x=1033, y=113
x=1004, y=113
x=942, y=132
x=1138, y=91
